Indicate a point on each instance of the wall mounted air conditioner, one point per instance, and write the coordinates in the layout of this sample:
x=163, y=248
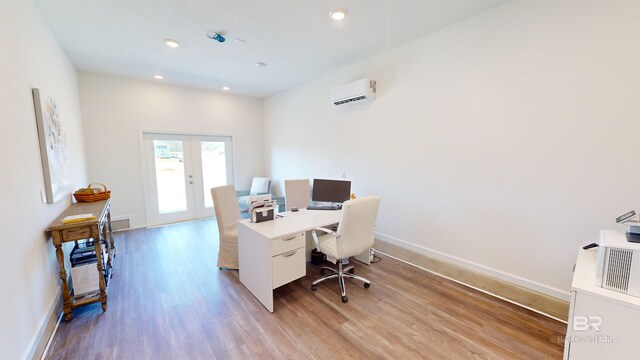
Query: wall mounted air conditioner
x=354, y=92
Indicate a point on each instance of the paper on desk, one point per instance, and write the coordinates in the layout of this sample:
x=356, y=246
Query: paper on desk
x=77, y=218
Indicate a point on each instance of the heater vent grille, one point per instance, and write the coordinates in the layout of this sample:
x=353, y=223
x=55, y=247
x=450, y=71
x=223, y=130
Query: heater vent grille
x=618, y=270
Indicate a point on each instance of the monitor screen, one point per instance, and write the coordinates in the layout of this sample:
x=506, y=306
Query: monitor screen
x=336, y=191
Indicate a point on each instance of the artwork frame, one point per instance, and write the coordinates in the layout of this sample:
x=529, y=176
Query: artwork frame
x=54, y=149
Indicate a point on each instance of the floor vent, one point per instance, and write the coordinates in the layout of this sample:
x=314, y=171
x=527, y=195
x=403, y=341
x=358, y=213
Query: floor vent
x=121, y=224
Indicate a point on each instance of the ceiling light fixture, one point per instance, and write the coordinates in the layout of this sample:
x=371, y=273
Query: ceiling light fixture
x=159, y=77
x=172, y=43
x=260, y=64
x=225, y=88
x=338, y=14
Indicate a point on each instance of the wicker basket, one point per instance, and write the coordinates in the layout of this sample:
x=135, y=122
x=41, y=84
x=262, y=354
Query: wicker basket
x=90, y=193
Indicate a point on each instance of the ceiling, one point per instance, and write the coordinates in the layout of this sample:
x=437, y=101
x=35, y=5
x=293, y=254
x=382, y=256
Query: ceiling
x=297, y=39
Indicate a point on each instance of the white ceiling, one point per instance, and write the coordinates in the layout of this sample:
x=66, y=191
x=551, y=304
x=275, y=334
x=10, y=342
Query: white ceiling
x=297, y=39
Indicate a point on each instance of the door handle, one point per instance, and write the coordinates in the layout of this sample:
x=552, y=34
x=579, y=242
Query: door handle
x=290, y=253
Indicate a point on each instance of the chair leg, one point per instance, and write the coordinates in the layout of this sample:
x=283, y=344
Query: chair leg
x=340, y=274
x=331, y=276
x=366, y=282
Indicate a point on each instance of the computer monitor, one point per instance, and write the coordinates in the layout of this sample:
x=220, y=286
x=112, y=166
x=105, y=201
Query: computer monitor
x=335, y=191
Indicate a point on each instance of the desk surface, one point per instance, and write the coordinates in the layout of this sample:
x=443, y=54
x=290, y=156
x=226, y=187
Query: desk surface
x=293, y=222
x=98, y=208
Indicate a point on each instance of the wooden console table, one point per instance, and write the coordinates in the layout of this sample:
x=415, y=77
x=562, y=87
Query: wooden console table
x=97, y=229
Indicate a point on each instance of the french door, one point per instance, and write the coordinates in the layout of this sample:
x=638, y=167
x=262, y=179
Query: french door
x=180, y=171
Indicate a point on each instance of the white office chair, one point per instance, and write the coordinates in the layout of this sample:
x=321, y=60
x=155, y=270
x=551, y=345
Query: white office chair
x=354, y=236
x=227, y=211
x=297, y=193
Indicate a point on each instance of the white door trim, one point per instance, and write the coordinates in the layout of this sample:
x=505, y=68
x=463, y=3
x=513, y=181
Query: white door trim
x=143, y=160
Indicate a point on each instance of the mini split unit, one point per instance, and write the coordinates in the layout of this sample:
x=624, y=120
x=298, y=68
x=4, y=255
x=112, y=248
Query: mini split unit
x=354, y=92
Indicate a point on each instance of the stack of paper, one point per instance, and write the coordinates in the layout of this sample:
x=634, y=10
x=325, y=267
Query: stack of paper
x=78, y=218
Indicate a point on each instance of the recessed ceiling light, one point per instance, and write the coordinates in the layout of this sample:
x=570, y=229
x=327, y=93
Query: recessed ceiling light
x=159, y=77
x=260, y=64
x=225, y=88
x=338, y=14
x=172, y=43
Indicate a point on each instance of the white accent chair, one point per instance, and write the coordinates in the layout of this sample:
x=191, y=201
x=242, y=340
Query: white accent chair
x=227, y=211
x=354, y=236
x=297, y=193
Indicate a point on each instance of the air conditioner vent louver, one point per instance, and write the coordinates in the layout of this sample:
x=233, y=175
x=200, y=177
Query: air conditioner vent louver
x=350, y=100
x=618, y=269
x=354, y=92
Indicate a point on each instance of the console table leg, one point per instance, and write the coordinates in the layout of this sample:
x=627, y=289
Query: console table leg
x=111, y=241
x=101, y=281
x=66, y=296
x=105, y=236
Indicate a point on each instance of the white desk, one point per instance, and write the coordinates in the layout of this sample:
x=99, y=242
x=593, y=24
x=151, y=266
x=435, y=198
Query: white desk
x=272, y=253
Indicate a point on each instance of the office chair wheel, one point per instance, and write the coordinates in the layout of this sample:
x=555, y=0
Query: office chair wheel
x=313, y=288
x=367, y=285
x=345, y=299
x=323, y=272
x=351, y=271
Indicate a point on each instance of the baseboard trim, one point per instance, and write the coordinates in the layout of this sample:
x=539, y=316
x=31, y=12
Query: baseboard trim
x=514, y=279
x=131, y=228
x=40, y=339
x=493, y=282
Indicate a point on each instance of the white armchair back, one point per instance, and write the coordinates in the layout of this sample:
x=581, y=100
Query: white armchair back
x=297, y=193
x=356, y=226
x=259, y=185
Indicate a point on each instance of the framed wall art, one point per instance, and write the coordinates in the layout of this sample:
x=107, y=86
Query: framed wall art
x=53, y=147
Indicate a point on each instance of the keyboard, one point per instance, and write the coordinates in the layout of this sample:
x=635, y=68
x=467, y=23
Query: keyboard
x=322, y=207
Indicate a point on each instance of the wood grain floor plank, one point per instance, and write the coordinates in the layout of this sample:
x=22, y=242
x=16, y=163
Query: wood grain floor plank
x=168, y=300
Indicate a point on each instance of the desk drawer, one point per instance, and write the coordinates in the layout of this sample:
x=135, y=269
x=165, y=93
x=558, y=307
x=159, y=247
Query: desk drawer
x=76, y=234
x=282, y=245
x=288, y=267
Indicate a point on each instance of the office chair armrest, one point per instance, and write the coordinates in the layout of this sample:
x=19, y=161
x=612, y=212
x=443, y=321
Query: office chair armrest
x=315, y=235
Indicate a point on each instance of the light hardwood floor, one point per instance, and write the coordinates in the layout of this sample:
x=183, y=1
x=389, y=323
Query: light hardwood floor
x=168, y=300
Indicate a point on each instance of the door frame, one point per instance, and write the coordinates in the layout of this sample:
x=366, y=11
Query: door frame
x=143, y=162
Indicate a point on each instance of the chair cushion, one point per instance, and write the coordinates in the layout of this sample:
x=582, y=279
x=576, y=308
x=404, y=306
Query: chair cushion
x=243, y=203
x=328, y=245
x=259, y=186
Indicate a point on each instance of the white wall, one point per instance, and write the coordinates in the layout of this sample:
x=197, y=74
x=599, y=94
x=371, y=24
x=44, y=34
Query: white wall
x=115, y=109
x=31, y=57
x=503, y=142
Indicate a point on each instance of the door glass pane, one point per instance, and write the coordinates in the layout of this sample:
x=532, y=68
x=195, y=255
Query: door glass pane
x=214, y=167
x=170, y=175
